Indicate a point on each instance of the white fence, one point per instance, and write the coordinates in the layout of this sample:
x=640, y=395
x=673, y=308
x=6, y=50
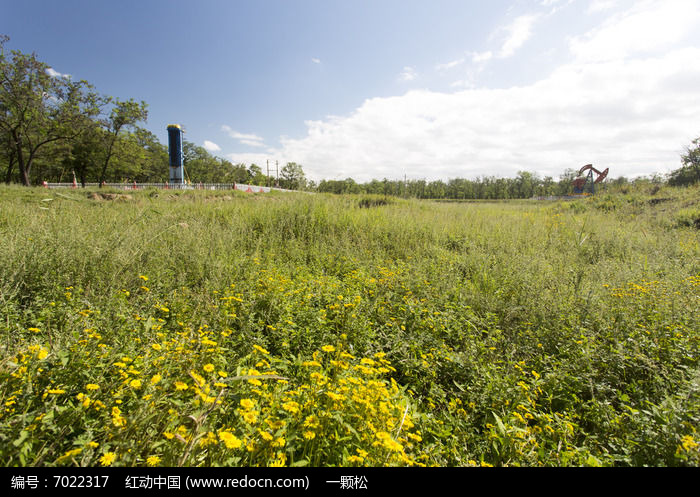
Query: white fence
x=561, y=197
x=170, y=186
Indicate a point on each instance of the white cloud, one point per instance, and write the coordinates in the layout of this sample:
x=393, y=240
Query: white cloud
x=517, y=33
x=632, y=112
x=601, y=5
x=244, y=138
x=315, y=60
x=478, y=57
x=211, y=146
x=449, y=65
x=250, y=158
x=462, y=83
x=408, y=74
x=647, y=27
x=55, y=74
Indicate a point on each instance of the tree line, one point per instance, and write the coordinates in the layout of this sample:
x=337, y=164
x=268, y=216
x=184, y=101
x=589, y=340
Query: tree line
x=55, y=129
x=524, y=185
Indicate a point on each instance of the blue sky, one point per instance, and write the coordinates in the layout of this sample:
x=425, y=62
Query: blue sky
x=382, y=88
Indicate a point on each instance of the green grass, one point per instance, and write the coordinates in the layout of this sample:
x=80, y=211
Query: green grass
x=502, y=333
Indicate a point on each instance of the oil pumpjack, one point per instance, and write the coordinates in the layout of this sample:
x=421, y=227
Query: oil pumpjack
x=581, y=183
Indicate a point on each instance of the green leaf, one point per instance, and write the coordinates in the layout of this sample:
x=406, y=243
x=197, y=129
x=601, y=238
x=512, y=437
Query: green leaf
x=148, y=324
x=499, y=423
x=62, y=356
x=23, y=435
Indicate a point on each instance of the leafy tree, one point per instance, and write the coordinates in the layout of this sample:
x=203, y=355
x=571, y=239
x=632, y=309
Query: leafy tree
x=239, y=174
x=130, y=159
x=124, y=114
x=37, y=109
x=155, y=162
x=525, y=184
x=436, y=189
x=375, y=187
x=293, y=177
x=546, y=187
x=690, y=172
x=565, y=186
x=351, y=187
x=200, y=165
x=256, y=176
x=85, y=154
x=8, y=155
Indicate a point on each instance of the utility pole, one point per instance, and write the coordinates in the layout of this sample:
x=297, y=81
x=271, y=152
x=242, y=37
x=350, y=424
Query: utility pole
x=277, y=166
x=267, y=177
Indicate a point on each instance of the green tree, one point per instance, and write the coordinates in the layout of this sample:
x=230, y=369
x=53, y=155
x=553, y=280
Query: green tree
x=124, y=114
x=525, y=184
x=130, y=159
x=8, y=155
x=37, y=109
x=565, y=187
x=85, y=154
x=256, y=176
x=690, y=172
x=239, y=174
x=436, y=189
x=154, y=164
x=200, y=165
x=349, y=186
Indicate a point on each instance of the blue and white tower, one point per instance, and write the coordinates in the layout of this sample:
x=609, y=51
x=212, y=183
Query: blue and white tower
x=177, y=176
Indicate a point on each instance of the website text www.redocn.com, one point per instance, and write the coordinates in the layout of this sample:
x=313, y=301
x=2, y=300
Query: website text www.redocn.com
x=245, y=482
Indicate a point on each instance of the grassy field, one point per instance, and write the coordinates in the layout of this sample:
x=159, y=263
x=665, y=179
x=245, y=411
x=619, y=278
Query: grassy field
x=220, y=328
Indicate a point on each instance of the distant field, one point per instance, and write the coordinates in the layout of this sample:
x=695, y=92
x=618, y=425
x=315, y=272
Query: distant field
x=203, y=328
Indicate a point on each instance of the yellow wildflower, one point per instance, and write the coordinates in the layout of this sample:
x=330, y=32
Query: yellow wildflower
x=291, y=406
x=260, y=349
x=108, y=458
x=230, y=440
x=335, y=396
x=388, y=442
x=199, y=379
x=688, y=443
x=117, y=418
x=280, y=461
x=250, y=417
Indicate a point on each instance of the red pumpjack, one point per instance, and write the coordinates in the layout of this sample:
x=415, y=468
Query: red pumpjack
x=581, y=182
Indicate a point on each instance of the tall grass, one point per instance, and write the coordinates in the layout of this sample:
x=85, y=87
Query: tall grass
x=513, y=333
